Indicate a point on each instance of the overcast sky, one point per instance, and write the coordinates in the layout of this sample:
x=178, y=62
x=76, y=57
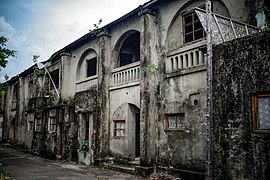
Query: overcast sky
x=42, y=27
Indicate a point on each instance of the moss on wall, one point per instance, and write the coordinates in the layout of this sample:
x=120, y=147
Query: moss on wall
x=240, y=69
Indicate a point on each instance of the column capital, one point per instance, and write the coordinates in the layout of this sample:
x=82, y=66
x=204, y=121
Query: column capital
x=65, y=54
x=147, y=11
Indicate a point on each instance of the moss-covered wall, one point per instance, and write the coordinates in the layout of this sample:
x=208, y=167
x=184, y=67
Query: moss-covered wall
x=241, y=68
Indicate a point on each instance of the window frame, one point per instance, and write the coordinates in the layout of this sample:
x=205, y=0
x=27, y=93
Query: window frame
x=37, y=125
x=121, y=129
x=50, y=124
x=193, y=14
x=255, y=109
x=166, y=122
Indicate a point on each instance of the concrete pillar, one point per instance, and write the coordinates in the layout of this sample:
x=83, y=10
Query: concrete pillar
x=149, y=113
x=65, y=79
x=104, y=72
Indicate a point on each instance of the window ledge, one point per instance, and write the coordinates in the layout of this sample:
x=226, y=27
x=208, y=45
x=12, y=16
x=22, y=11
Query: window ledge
x=126, y=67
x=119, y=137
x=125, y=85
x=87, y=79
x=177, y=130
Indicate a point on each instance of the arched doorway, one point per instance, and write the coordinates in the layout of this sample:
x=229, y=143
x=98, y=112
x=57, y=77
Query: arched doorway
x=125, y=139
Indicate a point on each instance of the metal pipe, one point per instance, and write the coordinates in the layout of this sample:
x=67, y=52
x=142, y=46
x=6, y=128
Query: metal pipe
x=209, y=89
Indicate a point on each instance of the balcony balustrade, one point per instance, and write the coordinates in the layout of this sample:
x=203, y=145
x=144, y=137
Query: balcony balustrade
x=126, y=74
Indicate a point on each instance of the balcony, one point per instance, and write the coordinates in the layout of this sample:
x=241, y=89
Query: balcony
x=188, y=58
x=126, y=76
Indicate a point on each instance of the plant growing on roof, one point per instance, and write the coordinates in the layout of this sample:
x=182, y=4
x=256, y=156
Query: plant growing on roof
x=97, y=29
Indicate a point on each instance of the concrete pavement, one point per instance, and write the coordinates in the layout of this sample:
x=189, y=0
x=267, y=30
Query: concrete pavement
x=23, y=166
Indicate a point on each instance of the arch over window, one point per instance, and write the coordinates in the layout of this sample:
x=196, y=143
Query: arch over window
x=87, y=65
x=185, y=26
x=130, y=49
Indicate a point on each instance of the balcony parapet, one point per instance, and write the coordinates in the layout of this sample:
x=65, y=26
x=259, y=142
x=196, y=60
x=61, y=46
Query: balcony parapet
x=188, y=57
x=126, y=75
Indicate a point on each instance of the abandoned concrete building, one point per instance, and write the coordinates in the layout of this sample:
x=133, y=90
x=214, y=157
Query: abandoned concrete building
x=136, y=90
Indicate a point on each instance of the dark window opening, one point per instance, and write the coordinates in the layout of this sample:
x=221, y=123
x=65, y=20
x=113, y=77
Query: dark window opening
x=55, y=78
x=193, y=29
x=15, y=92
x=91, y=67
x=87, y=129
x=30, y=125
x=261, y=113
x=38, y=124
x=130, y=51
x=125, y=59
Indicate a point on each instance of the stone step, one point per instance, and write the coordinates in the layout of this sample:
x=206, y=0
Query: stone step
x=125, y=169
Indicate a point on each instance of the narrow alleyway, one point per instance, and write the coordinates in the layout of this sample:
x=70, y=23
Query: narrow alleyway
x=22, y=166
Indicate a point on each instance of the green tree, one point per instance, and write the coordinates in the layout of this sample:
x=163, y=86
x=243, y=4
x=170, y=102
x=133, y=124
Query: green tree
x=5, y=53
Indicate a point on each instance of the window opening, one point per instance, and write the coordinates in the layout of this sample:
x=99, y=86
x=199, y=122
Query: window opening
x=30, y=126
x=52, y=124
x=119, y=128
x=55, y=78
x=130, y=50
x=15, y=92
x=38, y=124
x=87, y=129
x=261, y=113
x=192, y=27
x=175, y=121
x=91, y=67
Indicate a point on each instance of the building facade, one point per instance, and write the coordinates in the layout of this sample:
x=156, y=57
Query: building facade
x=135, y=90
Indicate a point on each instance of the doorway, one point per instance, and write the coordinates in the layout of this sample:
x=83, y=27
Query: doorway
x=137, y=135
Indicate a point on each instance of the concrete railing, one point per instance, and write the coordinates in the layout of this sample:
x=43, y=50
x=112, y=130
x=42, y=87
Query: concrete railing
x=185, y=59
x=83, y=85
x=126, y=74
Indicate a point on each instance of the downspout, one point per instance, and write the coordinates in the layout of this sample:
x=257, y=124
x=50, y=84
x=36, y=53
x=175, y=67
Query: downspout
x=209, y=90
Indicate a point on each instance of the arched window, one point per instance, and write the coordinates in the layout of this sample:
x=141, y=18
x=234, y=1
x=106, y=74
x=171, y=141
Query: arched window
x=91, y=67
x=87, y=65
x=130, y=50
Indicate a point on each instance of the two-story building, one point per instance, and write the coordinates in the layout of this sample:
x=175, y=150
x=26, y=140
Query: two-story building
x=136, y=90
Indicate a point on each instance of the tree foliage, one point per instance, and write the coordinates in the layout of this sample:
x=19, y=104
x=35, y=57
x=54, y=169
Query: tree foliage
x=5, y=53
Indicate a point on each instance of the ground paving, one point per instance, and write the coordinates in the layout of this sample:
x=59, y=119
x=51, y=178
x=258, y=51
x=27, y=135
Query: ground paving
x=21, y=166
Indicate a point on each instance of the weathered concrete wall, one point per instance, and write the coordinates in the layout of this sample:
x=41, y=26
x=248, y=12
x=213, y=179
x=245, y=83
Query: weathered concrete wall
x=85, y=108
x=240, y=69
x=185, y=94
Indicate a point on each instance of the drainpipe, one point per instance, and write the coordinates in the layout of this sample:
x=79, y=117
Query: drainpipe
x=209, y=90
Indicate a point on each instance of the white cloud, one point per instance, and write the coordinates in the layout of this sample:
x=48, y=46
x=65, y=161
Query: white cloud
x=59, y=23
x=5, y=27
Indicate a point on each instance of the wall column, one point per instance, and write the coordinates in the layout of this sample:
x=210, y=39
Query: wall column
x=149, y=113
x=103, y=63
